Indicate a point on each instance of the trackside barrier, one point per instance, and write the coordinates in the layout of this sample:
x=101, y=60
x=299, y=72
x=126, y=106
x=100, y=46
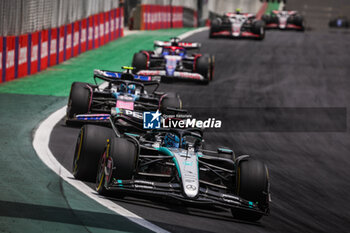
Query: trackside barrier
x=30, y=53
x=155, y=17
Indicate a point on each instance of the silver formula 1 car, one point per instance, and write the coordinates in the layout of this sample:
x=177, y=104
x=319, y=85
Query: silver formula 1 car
x=172, y=60
x=172, y=163
x=237, y=25
x=284, y=20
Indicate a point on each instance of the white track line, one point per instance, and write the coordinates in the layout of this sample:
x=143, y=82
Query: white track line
x=41, y=146
x=190, y=33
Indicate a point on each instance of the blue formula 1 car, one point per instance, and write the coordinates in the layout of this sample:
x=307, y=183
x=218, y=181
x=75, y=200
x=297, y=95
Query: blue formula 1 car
x=171, y=163
x=123, y=92
x=172, y=60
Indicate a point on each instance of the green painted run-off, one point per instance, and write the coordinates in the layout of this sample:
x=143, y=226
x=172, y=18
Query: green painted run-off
x=272, y=6
x=57, y=80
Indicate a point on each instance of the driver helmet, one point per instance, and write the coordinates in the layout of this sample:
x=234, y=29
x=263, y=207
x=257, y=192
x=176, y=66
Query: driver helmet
x=131, y=89
x=238, y=11
x=171, y=140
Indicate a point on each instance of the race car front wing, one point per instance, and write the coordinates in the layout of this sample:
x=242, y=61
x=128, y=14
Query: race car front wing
x=174, y=190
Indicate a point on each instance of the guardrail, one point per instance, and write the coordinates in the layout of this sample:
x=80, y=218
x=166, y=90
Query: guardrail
x=153, y=17
x=30, y=53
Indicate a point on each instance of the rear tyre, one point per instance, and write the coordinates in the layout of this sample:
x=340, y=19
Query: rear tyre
x=252, y=185
x=214, y=27
x=171, y=100
x=139, y=61
x=266, y=18
x=89, y=147
x=203, y=64
x=118, y=162
x=79, y=99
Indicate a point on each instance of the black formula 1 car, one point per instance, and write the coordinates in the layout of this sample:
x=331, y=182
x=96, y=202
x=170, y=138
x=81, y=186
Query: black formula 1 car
x=171, y=163
x=124, y=93
x=339, y=22
x=237, y=25
x=172, y=60
x=284, y=20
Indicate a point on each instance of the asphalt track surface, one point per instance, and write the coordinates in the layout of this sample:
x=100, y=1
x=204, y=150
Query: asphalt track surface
x=309, y=166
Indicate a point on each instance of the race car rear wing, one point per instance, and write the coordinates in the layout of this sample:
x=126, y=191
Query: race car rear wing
x=180, y=75
x=127, y=78
x=289, y=12
x=185, y=45
x=107, y=75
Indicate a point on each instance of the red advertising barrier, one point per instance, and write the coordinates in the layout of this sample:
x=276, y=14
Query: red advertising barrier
x=96, y=31
x=117, y=28
x=27, y=54
x=152, y=13
x=61, y=44
x=34, y=44
x=10, y=58
x=54, y=38
x=83, y=35
x=112, y=24
x=2, y=76
x=68, y=44
x=121, y=22
x=144, y=17
x=155, y=17
x=107, y=27
x=177, y=13
x=90, y=31
x=44, y=49
x=101, y=29
x=22, y=69
x=76, y=36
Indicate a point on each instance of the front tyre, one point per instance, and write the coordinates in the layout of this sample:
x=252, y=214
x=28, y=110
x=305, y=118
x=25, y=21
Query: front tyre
x=299, y=21
x=117, y=163
x=89, y=147
x=170, y=100
x=259, y=29
x=203, y=67
x=252, y=185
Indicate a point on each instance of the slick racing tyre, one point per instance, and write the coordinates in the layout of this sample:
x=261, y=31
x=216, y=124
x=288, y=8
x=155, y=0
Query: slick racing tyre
x=79, y=99
x=170, y=100
x=203, y=67
x=259, y=29
x=139, y=61
x=266, y=18
x=252, y=185
x=299, y=21
x=118, y=162
x=214, y=27
x=89, y=147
